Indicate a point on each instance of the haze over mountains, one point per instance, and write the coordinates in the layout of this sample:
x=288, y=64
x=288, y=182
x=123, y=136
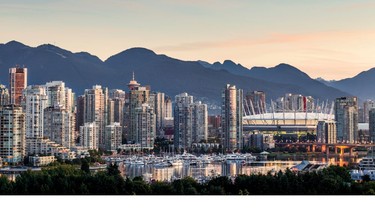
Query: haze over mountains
x=203, y=80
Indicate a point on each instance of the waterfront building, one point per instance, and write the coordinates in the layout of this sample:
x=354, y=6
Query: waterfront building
x=190, y=121
x=326, y=132
x=17, y=83
x=140, y=121
x=231, y=114
x=113, y=136
x=346, y=116
x=183, y=121
x=145, y=133
x=199, y=122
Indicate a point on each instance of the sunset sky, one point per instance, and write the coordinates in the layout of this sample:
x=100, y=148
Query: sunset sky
x=332, y=39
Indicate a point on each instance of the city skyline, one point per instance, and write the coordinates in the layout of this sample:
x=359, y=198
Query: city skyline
x=324, y=39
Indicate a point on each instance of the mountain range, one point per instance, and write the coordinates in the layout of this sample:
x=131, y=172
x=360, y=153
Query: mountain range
x=201, y=79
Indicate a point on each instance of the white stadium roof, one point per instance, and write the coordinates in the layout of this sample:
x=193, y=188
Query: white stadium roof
x=291, y=116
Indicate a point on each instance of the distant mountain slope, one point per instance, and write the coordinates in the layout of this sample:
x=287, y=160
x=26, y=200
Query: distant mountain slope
x=47, y=62
x=283, y=74
x=174, y=76
x=203, y=80
x=361, y=85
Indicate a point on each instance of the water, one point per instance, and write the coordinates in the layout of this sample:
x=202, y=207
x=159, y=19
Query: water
x=203, y=171
x=232, y=168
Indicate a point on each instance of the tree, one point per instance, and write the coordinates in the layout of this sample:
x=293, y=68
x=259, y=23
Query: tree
x=112, y=170
x=85, y=166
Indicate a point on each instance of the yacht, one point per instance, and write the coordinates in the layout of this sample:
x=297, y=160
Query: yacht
x=367, y=163
x=162, y=165
x=206, y=159
x=234, y=156
x=176, y=162
x=138, y=162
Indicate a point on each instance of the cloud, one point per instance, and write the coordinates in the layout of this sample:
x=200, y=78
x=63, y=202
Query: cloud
x=275, y=38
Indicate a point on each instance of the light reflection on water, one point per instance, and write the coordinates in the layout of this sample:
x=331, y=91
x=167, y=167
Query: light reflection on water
x=233, y=168
x=200, y=171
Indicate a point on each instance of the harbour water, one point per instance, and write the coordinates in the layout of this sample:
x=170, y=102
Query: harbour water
x=232, y=168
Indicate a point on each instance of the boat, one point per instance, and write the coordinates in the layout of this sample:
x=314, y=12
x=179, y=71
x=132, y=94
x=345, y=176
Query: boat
x=367, y=163
x=176, y=162
x=162, y=165
x=234, y=156
x=188, y=156
x=138, y=162
x=359, y=174
x=206, y=159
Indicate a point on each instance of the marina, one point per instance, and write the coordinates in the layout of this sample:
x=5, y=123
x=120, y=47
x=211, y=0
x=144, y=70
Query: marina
x=205, y=167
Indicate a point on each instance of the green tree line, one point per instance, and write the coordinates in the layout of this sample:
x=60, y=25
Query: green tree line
x=67, y=179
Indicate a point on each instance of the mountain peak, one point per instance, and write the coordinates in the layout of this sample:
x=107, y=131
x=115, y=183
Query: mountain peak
x=285, y=65
x=15, y=44
x=139, y=51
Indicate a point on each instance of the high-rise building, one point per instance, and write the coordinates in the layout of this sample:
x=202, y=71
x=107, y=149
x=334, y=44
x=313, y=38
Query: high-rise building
x=17, y=83
x=168, y=115
x=69, y=100
x=80, y=111
x=139, y=115
x=118, y=110
x=372, y=125
x=214, y=126
x=56, y=93
x=111, y=111
x=199, y=121
x=137, y=97
x=231, y=114
x=326, y=132
x=168, y=111
x=182, y=112
x=157, y=101
x=295, y=102
x=367, y=106
x=255, y=102
x=12, y=134
x=145, y=133
x=116, y=93
x=346, y=116
x=4, y=95
x=190, y=121
x=95, y=110
x=59, y=125
x=36, y=100
x=113, y=136
x=89, y=135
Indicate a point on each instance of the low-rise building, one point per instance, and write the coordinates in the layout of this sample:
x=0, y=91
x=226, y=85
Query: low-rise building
x=41, y=160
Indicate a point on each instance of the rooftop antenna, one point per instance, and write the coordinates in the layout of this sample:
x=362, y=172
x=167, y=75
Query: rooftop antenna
x=133, y=75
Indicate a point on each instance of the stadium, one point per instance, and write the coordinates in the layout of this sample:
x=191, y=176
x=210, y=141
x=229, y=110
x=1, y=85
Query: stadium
x=285, y=121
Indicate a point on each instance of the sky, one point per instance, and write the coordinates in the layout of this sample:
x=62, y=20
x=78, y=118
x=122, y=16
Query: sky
x=330, y=39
